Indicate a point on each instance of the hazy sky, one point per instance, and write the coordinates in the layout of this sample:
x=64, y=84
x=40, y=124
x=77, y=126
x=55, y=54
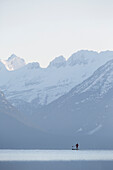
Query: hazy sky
x=40, y=30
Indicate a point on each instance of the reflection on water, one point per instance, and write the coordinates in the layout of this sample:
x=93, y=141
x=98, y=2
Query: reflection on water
x=56, y=155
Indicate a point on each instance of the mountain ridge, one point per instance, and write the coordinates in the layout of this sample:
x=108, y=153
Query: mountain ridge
x=72, y=60
x=40, y=86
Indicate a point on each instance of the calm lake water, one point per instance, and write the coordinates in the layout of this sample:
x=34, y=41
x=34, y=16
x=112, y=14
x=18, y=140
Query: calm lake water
x=56, y=160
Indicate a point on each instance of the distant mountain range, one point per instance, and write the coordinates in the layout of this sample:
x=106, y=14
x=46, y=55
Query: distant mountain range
x=68, y=98
x=29, y=83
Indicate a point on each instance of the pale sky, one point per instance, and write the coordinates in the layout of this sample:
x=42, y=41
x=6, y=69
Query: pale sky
x=40, y=30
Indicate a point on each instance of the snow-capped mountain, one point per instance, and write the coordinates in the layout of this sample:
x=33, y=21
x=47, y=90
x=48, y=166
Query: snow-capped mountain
x=86, y=112
x=101, y=80
x=38, y=86
x=13, y=62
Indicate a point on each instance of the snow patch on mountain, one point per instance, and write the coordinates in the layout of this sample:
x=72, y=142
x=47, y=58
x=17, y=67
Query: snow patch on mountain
x=101, y=80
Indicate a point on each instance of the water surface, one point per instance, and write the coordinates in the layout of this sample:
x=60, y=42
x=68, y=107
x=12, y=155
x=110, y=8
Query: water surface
x=56, y=155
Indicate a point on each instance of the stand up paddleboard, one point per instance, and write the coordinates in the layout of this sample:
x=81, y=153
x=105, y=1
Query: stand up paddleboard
x=75, y=147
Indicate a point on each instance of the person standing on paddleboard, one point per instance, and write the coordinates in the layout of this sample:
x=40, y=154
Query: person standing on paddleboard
x=77, y=145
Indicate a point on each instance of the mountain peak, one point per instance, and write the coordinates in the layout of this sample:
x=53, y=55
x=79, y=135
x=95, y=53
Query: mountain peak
x=58, y=62
x=34, y=65
x=12, y=57
x=14, y=62
x=82, y=57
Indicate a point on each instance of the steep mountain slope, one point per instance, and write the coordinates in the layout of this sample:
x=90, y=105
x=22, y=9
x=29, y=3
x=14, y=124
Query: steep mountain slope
x=34, y=86
x=3, y=69
x=15, y=134
x=5, y=106
x=101, y=81
x=86, y=112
